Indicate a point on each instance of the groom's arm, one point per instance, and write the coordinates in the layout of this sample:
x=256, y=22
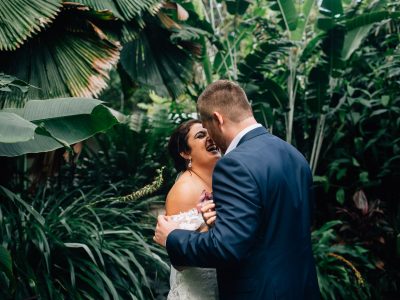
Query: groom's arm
x=236, y=196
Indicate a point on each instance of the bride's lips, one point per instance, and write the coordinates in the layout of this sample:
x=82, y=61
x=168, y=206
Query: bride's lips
x=212, y=148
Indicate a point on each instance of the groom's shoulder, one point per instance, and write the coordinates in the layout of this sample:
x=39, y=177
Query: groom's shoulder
x=229, y=159
x=264, y=148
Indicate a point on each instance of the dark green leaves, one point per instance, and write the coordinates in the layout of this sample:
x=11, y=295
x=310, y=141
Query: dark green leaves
x=237, y=7
x=153, y=61
x=60, y=246
x=331, y=8
x=319, y=85
x=6, y=264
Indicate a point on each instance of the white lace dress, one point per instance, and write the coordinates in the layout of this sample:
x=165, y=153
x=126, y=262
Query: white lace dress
x=192, y=283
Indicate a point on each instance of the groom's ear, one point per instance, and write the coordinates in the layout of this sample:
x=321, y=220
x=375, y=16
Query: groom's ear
x=218, y=118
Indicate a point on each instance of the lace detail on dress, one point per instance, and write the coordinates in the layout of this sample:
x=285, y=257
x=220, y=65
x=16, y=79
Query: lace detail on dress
x=192, y=283
x=190, y=220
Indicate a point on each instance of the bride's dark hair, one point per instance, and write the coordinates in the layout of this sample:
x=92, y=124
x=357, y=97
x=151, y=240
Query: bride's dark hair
x=178, y=143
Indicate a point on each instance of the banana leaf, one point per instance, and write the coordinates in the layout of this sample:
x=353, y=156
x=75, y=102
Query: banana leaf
x=288, y=13
x=52, y=124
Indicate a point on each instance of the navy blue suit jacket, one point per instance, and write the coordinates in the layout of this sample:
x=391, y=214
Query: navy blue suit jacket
x=261, y=241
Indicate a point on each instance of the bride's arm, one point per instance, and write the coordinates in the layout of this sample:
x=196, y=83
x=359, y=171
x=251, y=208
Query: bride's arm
x=182, y=197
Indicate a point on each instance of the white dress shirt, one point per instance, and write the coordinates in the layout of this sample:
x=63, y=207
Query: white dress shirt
x=239, y=136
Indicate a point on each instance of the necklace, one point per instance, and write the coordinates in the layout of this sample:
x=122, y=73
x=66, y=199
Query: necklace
x=205, y=183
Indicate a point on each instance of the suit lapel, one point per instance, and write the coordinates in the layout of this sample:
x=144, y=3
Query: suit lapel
x=252, y=134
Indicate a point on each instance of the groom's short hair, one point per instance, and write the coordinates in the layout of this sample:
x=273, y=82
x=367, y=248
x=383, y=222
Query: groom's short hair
x=226, y=97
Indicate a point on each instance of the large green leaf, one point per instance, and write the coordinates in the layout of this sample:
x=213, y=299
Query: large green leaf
x=72, y=58
x=359, y=27
x=353, y=40
x=20, y=19
x=306, y=9
x=15, y=129
x=154, y=61
x=61, y=122
x=289, y=13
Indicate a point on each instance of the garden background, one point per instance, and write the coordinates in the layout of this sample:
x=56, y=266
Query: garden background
x=91, y=90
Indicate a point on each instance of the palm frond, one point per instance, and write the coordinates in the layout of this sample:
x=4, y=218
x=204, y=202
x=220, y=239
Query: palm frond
x=72, y=58
x=20, y=19
x=100, y=5
x=131, y=9
x=125, y=10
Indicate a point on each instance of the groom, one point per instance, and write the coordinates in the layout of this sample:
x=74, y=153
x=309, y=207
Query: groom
x=261, y=240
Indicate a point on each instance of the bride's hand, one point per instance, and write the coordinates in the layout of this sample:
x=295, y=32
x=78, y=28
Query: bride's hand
x=208, y=211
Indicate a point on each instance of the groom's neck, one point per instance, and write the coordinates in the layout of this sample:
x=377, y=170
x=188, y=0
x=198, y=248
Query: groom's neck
x=234, y=128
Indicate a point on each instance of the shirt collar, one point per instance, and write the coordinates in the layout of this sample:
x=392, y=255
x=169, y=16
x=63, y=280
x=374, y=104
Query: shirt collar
x=239, y=136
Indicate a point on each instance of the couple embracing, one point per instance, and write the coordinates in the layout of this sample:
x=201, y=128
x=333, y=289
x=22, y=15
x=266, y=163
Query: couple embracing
x=253, y=239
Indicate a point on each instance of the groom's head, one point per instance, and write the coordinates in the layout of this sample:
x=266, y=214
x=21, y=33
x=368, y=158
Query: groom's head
x=222, y=107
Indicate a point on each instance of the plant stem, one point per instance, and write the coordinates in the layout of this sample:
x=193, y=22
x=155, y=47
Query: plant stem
x=212, y=14
x=292, y=87
x=206, y=61
x=318, y=139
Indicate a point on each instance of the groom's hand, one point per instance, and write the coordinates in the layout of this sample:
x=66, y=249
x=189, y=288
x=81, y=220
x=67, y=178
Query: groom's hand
x=208, y=212
x=163, y=229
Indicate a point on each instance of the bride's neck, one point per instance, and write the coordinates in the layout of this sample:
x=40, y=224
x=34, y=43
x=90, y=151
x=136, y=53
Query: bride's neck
x=204, y=174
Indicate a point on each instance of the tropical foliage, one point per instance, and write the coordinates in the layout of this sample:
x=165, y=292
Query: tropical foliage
x=337, y=276
x=323, y=75
x=43, y=126
x=60, y=245
x=68, y=48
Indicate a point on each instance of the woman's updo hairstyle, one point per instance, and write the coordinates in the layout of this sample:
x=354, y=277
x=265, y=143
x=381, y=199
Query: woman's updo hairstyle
x=178, y=143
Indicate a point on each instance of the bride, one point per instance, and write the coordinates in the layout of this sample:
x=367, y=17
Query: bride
x=194, y=154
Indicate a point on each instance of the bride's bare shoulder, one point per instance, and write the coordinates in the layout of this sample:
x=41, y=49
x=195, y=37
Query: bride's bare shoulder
x=183, y=196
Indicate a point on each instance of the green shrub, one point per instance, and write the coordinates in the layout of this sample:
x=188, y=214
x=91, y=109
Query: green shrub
x=63, y=247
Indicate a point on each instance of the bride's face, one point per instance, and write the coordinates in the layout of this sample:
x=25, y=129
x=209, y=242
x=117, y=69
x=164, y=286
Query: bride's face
x=203, y=149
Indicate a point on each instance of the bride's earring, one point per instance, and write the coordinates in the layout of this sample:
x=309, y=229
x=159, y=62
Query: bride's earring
x=190, y=163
